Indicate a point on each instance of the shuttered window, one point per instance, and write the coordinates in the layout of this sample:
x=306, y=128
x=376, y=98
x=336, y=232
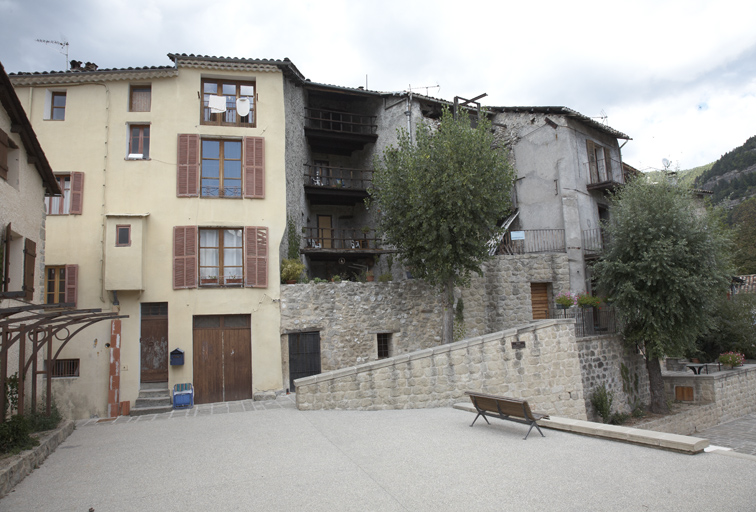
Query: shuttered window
x=72, y=200
x=4, y=155
x=30, y=257
x=254, y=167
x=141, y=98
x=184, y=257
x=256, y=256
x=188, y=165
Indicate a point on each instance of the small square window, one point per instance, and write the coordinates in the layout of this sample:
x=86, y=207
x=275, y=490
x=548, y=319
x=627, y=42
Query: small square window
x=140, y=99
x=384, y=345
x=58, y=106
x=139, y=142
x=123, y=236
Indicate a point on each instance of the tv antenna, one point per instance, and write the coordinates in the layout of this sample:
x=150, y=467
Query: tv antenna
x=602, y=117
x=426, y=87
x=63, y=47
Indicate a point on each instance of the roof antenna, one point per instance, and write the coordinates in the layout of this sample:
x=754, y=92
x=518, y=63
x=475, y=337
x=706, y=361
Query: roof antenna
x=63, y=47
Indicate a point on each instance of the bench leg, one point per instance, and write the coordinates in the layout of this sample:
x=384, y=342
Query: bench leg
x=476, y=419
x=534, y=424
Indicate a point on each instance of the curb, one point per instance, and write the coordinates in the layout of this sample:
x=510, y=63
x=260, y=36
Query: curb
x=27, y=461
x=650, y=438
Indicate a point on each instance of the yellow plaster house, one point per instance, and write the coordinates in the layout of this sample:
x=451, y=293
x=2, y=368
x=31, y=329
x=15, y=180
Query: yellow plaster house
x=173, y=209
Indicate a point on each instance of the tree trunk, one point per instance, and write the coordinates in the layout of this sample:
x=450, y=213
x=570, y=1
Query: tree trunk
x=656, y=386
x=447, y=331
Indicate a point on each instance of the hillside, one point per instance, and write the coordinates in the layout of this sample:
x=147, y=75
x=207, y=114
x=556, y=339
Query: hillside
x=732, y=178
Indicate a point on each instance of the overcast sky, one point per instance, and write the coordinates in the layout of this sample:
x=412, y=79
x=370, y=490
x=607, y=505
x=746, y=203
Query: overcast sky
x=679, y=77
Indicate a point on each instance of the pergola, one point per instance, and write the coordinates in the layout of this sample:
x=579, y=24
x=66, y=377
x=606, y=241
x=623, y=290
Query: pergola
x=40, y=324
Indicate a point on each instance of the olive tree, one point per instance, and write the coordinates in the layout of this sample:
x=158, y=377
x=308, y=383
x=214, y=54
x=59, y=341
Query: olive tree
x=440, y=199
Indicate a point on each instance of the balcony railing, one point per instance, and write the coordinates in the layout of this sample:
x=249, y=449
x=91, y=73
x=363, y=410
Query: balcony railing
x=535, y=240
x=340, y=239
x=589, y=321
x=593, y=241
x=341, y=122
x=602, y=175
x=337, y=177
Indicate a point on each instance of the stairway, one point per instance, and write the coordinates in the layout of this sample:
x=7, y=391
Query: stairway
x=154, y=398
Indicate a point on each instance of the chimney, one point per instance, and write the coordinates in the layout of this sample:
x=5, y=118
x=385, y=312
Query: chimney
x=90, y=66
x=75, y=65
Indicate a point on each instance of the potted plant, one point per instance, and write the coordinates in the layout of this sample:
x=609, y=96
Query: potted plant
x=291, y=270
x=585, y=300
x=336, y=278
x=731, y=359
x=565, y=300
x=370, y=276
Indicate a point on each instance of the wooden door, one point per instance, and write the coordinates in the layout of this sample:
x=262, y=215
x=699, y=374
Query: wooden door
x=222, y=359
x=539, y=300
x=325, y=231
x=154, y=342
x=304, y=355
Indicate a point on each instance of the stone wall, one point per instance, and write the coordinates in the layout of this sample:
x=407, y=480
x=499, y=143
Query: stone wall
x=601, y=360
x=538, y=362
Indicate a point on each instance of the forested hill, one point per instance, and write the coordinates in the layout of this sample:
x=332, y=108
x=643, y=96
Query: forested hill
x=732, y=178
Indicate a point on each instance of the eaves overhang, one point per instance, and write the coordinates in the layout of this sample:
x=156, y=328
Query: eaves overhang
x=566, y=112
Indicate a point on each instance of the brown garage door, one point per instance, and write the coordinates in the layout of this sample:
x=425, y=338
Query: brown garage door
x=539, y=300
x=222, y=358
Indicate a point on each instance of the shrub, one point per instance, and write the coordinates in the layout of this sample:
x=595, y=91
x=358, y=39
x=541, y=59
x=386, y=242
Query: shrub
x=618, y=418
x=15, y=435
x=384, y=278
x=585, y=300
x=601, y=399
x=566, y=299
x=732, y=358
x=291, y=269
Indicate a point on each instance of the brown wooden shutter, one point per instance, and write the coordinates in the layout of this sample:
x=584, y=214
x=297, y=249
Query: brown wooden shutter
x=184, y=257
x=77, y=193
x=254, y=167
x=3, y=155
x=187, y=181
x=256, y=257
x=592, y=164
x=608, y=164
x=30, y=256
x=539, y=300
x=5, y=260
x=72, y=284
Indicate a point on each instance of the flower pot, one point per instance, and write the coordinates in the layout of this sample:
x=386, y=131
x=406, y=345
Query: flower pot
x=291, y=281
x=370, y=279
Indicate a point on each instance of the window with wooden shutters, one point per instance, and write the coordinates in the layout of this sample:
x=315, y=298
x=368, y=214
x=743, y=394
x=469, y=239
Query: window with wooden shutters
x=184, y=257
x=221, y=173
x=221, y=260
x=188, y=165
x=30, y=257
x=71, y=202
x=256, y=256
x=72, y=284
x=254, y=167
x=140, y=99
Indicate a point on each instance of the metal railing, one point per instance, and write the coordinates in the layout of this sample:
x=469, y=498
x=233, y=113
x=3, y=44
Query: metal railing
x=535, y=240
x=340, y=239
x=593, y=241
x=589, y=321
x=344, y=122
x=337, y=177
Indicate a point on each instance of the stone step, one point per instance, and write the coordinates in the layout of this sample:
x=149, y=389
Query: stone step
x=154, y=393
x=148, y=386
x=141, y=411
x=152, y=402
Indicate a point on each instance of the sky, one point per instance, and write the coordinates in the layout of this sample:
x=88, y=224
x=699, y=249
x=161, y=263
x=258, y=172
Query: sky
x=678, y=77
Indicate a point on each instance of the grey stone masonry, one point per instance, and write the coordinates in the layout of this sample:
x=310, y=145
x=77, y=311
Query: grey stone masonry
x=538, y=362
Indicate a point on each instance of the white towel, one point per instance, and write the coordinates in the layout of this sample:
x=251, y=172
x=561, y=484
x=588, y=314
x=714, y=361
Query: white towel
x=217, y=104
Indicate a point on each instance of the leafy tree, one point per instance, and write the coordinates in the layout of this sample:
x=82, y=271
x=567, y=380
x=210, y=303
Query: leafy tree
x=743, y=218
x=665, y=268
x=441, y=199
x=734, y=328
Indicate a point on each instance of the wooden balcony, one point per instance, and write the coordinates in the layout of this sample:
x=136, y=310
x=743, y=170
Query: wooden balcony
x=326, y=243
x=603, y=175
x=341, y=133
x=336, y=185
x=533, y=241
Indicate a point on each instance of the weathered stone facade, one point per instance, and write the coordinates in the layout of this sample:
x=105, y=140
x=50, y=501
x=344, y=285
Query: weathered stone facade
x=538, y=363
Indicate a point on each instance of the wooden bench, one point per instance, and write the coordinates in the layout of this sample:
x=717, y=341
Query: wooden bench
x=505, y=408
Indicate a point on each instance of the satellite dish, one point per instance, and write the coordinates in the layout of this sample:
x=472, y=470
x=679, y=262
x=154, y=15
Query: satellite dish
x=666, y=163
x=243, y=106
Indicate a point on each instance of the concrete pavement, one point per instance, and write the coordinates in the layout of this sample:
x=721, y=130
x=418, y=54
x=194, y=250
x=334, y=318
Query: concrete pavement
x=274, y=457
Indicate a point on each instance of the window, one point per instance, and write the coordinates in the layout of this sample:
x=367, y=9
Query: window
x=60, y=284
x=225, y=168
x=221, y=168
x=384, y=345
x=228, y=103
x=140, y=98
x=71, y=201
x=6, y=145
x=65, y=368
x=599, y=162
x=123, y=235
x=139, y=142
x=220, y=257
x=58, y=106
x=227, y=257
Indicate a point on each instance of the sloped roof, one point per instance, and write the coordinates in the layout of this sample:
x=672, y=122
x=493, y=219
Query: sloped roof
x=21, y=124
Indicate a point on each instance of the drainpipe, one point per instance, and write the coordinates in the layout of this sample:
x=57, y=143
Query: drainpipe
x=408, y=113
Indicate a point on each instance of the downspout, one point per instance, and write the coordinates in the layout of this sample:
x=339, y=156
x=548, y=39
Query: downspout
x=408, y=113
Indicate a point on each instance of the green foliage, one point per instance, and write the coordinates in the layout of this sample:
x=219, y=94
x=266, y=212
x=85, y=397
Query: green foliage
x=734, y=328
x=441, y=198
x=566, y=299
x=384, y=278
x=602, y=399
x=15, y=435
x=585, y=300
x=39, y=421
x=743, y=222
x=732, y=358
x=291, y=269
x=293, y=238
x=737, y=159
x=319, y=280
x=665, y=266
x=336, y=278
x=687, y=178
x=618, y=418
x=11, y=393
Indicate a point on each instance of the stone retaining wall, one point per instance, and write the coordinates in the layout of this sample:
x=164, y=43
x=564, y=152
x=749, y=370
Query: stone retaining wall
x=538, y=362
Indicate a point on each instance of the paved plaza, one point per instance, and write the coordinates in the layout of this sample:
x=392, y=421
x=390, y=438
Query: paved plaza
x=271, y=456
x=739, y=435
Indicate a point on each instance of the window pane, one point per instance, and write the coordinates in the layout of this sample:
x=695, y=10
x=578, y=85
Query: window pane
x=232, y=169
x=210, y=169
x=232, y=237
x=211, y=88
x=210, y=149
x=58, y=114
x=208, y=238
x=247, y=90
x=236, y=321
x=232, y=188
x=232, y=150
x=229, y=89
x=210, y=188
x=207, y=321
x=59, y=100
x=123, y=235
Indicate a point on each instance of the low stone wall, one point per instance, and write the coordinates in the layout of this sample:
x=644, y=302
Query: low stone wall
x=538, y=362
x=601, y=362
